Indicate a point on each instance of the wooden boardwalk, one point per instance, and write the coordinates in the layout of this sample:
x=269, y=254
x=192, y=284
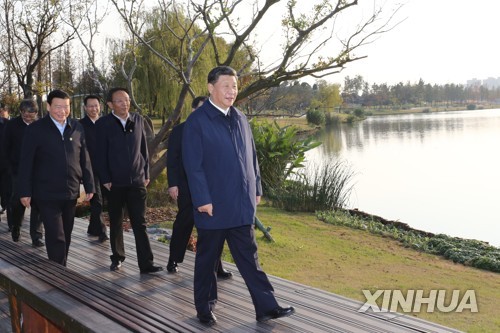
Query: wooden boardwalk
x=317, y=310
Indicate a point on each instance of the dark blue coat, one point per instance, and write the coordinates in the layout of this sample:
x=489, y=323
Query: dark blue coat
x=221, y=166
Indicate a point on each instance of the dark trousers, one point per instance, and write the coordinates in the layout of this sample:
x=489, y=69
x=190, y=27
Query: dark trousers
x=243, y=247
x=182, y=229
x=58, y=218
x=5, y=193
x=134, y=199
x=5, y=188
x=96, y=224
x=16, y=214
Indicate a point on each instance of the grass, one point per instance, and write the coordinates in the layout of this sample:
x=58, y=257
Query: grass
x=346, y=261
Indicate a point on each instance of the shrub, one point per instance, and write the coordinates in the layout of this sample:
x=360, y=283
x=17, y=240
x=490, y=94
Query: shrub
x=313, y=189
x=471, y=106
x=359, y=113
x=315, y=117
x=350, y=119
x=280, y=153
x=158, y=191
x=468, y=252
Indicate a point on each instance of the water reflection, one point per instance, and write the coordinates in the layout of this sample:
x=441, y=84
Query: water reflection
x=438, y=172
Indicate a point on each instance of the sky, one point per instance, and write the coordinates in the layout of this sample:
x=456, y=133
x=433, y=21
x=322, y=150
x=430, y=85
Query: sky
x=438, y=41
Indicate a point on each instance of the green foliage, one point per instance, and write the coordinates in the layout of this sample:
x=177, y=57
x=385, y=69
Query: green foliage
x=359, y=113
x=158, y=191
x=279, y=151
x=324, y=188
x=331, y=119
x=471, y=106
x=468, y=252
x=350, y=119
x=315, y=117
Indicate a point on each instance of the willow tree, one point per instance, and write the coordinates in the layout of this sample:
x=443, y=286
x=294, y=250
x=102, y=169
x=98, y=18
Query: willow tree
x=306, y=34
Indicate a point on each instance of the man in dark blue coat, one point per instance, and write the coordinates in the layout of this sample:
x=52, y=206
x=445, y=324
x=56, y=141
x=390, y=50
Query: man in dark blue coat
x=54, y=162
x=224, y=178
x=123, y=167
x=179, y=190
x=92, y=106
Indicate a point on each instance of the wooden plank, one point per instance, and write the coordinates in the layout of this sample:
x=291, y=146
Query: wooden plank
x=61, y=309
x=131, y=312
x=317, y=310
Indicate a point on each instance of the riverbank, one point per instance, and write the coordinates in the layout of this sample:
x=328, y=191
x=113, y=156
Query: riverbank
x=346, y=261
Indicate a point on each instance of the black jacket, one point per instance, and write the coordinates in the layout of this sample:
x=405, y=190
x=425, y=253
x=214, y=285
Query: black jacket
x=90, y=138
x=175, y=169
x=122, y=154
x=12, y=142
x=52, y=166
x=3, y=164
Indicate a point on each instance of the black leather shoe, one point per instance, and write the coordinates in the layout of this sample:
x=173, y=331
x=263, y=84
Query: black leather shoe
x=207, y=318
x=152, y=269
x=103, y=238
x=172, y=267
x=115, y=265
x=16, y=232
x=38, y=243
x=279, y=312
x=224, y=274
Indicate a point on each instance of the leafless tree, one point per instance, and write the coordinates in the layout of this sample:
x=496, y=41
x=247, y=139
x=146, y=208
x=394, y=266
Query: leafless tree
x=306, y=34
x=30, y=30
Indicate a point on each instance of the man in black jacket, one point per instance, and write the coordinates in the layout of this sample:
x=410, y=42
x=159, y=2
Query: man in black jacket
x=12, y=142
x=54, y=160
x=123, y=167
x=92, y=106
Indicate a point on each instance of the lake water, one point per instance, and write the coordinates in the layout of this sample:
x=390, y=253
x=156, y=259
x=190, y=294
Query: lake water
x=438, y=172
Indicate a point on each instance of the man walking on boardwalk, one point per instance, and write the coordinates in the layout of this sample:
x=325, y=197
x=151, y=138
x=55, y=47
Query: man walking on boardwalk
x=179, y=190
x=11, y=147
x=224, y=178
x=123, y=168
x=54, y=161
x=92, y=106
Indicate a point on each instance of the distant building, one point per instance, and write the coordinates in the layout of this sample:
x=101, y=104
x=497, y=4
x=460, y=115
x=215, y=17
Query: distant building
x=490, y=83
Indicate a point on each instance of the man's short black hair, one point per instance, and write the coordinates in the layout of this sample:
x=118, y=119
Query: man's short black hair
x=214, y=74
x=57, y=94
x=91, y=97
x=197, y=101
x=109, y=97
x=28, y=105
